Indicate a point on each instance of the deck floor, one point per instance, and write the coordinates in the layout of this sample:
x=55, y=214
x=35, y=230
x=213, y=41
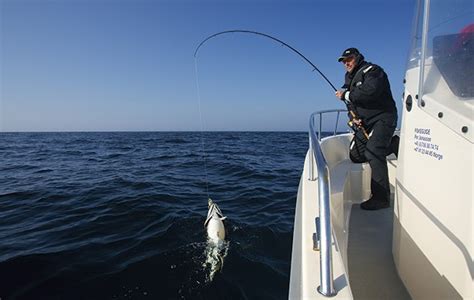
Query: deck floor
x=372, y=271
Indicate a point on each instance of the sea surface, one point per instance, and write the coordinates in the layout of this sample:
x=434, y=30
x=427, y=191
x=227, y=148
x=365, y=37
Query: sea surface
x=120, y=215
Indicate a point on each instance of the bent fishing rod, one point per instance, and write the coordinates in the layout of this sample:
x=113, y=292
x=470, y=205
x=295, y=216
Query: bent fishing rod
x=352, y=113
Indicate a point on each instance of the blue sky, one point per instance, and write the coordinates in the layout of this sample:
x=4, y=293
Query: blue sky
x=85, y=65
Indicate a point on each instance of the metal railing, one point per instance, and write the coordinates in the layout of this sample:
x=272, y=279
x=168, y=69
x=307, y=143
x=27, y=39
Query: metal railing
x=327, y=112
x=323, y=222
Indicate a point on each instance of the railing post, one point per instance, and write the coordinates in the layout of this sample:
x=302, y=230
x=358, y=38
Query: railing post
x=337, y=123
x=320, y=125
x=327, y=285
x=324, y=232
x=312, y=176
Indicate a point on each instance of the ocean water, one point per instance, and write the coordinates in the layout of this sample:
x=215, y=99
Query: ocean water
x=119, y=215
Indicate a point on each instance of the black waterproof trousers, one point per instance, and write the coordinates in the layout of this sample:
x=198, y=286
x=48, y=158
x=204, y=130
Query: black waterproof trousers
x=378, y=146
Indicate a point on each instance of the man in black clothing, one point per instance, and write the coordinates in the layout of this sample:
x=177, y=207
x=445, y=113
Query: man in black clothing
x=367, y=91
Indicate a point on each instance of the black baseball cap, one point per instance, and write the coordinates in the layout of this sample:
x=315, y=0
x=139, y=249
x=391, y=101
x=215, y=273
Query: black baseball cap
x=348, y=52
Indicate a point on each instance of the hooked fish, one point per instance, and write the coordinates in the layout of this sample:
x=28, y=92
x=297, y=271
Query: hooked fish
x=216, y=249
x=214, y=225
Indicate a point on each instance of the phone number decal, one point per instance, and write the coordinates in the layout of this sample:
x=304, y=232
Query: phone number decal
x=424, y=144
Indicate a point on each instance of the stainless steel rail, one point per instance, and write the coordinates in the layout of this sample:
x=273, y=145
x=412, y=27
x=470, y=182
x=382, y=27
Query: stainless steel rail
x=323, y=223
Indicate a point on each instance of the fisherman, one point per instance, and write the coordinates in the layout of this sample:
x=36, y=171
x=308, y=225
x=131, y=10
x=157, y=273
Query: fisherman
x=366, y=90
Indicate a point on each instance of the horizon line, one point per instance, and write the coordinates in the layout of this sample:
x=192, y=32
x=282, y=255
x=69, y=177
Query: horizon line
x=133, y=131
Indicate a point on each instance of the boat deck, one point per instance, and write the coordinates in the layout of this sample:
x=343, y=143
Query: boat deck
x=372, y=271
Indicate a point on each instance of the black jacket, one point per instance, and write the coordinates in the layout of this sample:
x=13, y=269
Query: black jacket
x=369, y=92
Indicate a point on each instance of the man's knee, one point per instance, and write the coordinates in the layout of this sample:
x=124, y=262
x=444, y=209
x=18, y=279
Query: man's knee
x=375, y=151
x=379, y=143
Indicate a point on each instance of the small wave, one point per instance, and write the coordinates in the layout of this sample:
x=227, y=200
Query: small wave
x=19, y=167
x=123, y=148
x=159, y=157
x=45, y=170
x=175, y=141
x=94, y=159
x=72, y=152
x=122, y=182
x=19, y=194
x=114, y=155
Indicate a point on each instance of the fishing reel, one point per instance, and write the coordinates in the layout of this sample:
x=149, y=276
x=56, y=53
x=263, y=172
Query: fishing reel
x=356, y=124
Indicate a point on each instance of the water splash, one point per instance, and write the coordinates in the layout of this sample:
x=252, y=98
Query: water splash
x=215, y=254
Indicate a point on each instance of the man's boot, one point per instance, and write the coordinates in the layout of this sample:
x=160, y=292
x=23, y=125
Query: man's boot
x=374, y=204
x=380, y=198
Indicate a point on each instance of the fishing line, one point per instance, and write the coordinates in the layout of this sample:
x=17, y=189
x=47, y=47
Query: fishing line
x=203, y=150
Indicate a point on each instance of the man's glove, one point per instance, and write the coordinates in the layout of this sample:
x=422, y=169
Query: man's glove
x=345, y=95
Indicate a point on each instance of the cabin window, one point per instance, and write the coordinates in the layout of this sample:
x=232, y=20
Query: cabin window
x=453, y=55
x=449, y=53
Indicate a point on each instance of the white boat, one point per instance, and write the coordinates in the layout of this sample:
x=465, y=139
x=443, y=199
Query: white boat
x=422, y=247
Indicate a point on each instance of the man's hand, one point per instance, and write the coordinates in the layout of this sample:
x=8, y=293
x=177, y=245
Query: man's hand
x=339, y=94
x=358, y=122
